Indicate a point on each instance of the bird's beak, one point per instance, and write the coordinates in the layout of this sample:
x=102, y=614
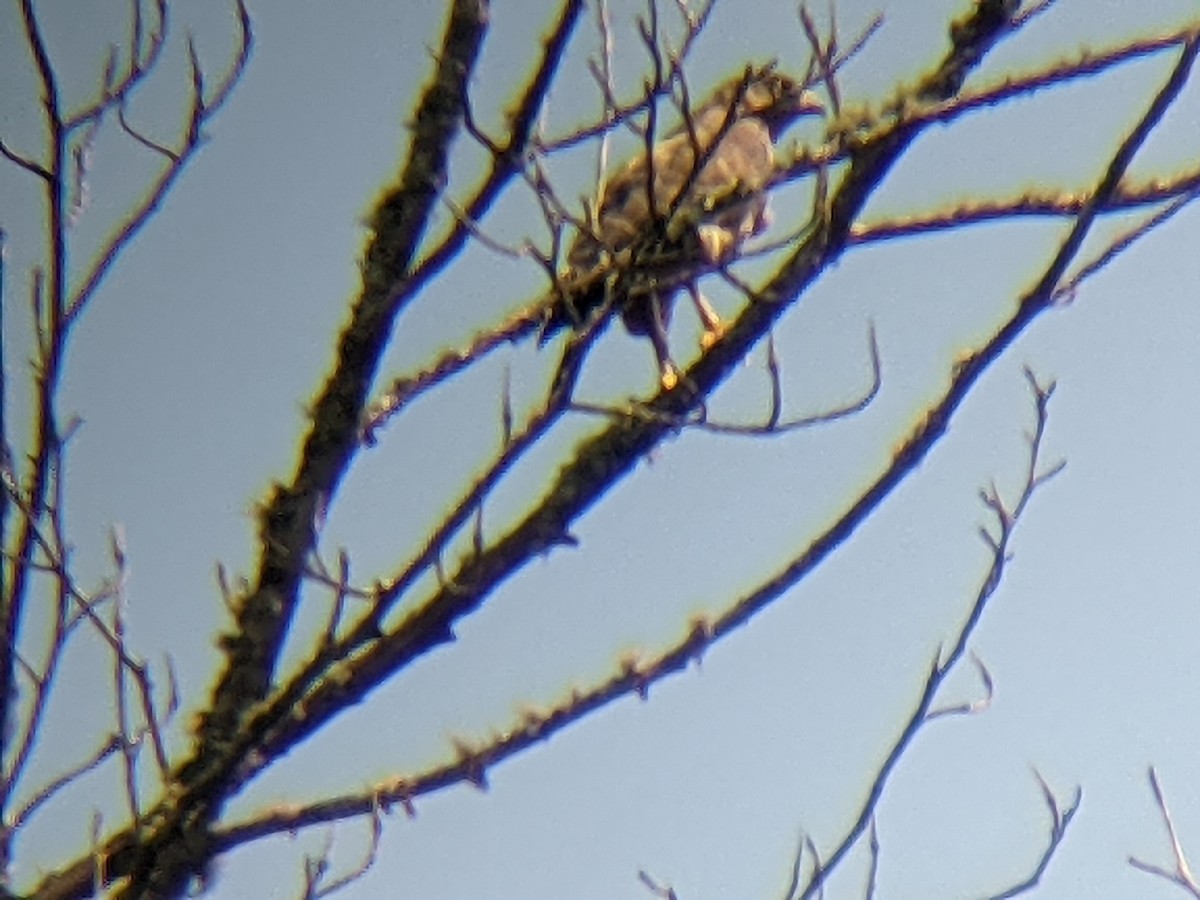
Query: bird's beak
x=809, y=104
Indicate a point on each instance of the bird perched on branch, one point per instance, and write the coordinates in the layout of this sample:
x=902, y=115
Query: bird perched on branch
x=709, y=178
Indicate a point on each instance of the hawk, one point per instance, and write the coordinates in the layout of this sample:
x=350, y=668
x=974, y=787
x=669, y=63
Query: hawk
x=709, y=195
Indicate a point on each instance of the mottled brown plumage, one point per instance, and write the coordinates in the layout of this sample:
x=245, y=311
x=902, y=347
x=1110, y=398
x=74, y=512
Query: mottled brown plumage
x=647, y=245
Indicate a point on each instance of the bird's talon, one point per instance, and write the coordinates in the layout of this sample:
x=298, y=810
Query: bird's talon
x=711, y=335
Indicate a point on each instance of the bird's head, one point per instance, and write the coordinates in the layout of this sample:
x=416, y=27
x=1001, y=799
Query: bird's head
x=777, y=100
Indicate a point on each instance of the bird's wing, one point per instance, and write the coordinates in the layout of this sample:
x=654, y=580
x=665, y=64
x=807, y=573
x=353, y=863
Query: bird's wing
x=742, y=161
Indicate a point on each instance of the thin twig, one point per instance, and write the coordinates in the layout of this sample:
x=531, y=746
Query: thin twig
x=1182, y=873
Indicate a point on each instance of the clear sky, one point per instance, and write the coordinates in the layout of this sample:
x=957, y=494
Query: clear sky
x=192, y=369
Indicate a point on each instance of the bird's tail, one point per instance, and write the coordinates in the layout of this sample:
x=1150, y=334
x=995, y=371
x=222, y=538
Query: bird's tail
x=571, y=310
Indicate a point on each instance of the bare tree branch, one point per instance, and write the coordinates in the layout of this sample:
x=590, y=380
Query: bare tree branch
x=254, y=716
x=1182, y=874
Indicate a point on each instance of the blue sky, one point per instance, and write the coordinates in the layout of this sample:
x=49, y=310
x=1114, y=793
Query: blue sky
x=192, y=369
